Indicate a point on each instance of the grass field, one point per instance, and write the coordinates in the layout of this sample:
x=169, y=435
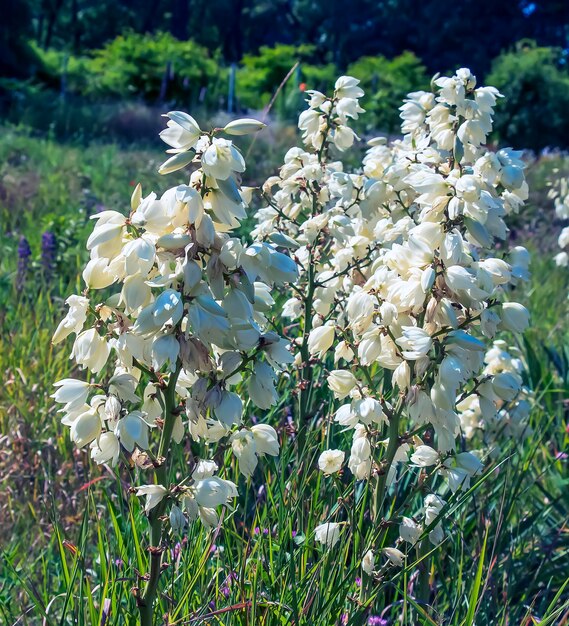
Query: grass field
x=73, y=536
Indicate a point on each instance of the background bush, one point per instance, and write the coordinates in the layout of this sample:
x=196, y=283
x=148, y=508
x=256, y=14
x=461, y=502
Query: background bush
x=535, y=83
x=386, y=82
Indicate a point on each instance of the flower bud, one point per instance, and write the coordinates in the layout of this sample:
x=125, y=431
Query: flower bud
x=515, y=317
x=245, y=126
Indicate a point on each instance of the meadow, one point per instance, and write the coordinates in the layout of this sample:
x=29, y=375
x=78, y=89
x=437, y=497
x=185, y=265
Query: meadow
x=74, y=535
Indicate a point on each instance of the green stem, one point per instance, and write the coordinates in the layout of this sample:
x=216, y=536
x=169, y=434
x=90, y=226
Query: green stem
x=392, y=445
x=146, y=602
x=305, y=383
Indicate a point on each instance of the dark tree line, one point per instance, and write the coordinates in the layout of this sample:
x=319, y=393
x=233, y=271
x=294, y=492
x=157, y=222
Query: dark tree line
x=443, y=34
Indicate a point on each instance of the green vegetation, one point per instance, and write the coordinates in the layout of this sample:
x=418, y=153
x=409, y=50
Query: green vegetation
x=386, y=83
x=535, y=84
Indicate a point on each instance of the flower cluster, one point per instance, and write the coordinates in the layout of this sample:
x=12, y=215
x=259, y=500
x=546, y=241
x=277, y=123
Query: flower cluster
x=173, y=321
x=560, y=195
x=400, y=284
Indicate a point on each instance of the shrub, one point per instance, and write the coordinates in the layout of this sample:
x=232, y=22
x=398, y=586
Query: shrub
x=150, y=67
x=536, y=86
x=261, y=75
x=386, y=83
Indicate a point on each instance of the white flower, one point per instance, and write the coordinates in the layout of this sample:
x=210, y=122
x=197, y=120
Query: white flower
x=245, y=449
x=71, y=392
x=330, y=461
x=154, y=495
x=320, y=340
x=515, y=317
x=262, y=386
x=266, y=440
x=91, y=350
x=204, y=469
x=74, y=320
x=424, y=456
x=409, y=530
x=395, y=556
x=177, y=519
x=182, y=133
x=347, y=87
x=360, y=458
x=106, y=448
x=416, y=342
x=244, y=126
x=139, y=256
x=368, y=562
x=208, y=517
x=86, y=428
x=341, y=382
x=214, y=491
x=506, y=385
x=343, y=137
x=229, y=409
x=132, y=431
x=221, y=159
x=327, y=534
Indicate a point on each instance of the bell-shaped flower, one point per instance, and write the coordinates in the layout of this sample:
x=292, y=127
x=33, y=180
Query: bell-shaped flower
x=106, y=448
x=182, y=133
x=229, y=409
x=214, y=491
x=86, y=428
x=347, y=87
x=341, y=382
x=261, y=385
x=327, y=534
x=100, y=273
x=320, y=340
x=360, y=458
x=165, y=349
x=204, y=469
x=132, y=431
x=168, y=308
x=277, y=350
x=245, y=449
x=139, y=256
x=368, y=562
x=177, y=519
x=154, y=495
x=395, y=556
x=208, y=320
x=506, y=385
x=74, y=320
x=221, y=159
x=266, y=440
x=515, y=317
x=424, y=456
x=409, y=530
x=71, y=392
x=91, y=350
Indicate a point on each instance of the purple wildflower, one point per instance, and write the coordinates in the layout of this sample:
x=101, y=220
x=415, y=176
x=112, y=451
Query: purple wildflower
x=24, y=254
x=376, y=620
x=48, y=251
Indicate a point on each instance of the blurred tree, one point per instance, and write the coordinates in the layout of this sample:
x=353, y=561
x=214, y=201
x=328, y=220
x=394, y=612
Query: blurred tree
x=17, y=59
x=386, y=82
x=468, y=32
x=535, y=82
